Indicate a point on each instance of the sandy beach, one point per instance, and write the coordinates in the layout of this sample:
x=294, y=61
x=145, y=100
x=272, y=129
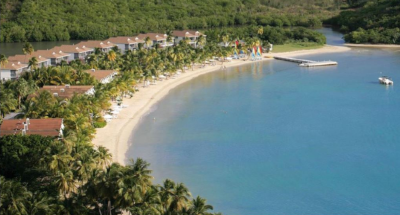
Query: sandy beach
x=116, y=135
x=372, y=45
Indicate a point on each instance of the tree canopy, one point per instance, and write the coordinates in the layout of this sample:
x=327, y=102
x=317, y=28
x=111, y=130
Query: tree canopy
x=51, y=20
x=373, y=21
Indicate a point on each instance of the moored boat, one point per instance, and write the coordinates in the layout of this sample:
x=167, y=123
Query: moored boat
x=385, y=80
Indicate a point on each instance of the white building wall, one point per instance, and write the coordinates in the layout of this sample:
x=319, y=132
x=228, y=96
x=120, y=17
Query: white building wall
x=5, y=74
x=46, y=63
x=122, y=48
x=178, y=39
x=70, y=57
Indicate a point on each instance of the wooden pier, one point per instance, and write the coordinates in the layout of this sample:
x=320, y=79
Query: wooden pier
x=307, y=63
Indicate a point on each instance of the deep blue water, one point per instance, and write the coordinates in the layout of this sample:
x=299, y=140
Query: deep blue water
x=274, y=138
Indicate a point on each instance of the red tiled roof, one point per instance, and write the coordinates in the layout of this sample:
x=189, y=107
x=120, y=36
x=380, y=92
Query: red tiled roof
x=153, y=36
x=14, y=65
x=25, y=58
x=71, y=49
x=100, y=74
x=66, y=91
x=126, y=40
x=44, y=127
x=187, y=33
x=182, y=34
x=97, y=44
x=51, y=53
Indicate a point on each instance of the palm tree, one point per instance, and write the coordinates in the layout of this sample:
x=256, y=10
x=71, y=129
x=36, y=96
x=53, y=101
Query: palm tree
x=174, y=197
x=225, y=38
x=66, y=183
x=186, y=40
x=40, y=105
x=23, y=88
x=260, y=30
x=39, y=204
x=14, y=197
x=103, y=187
x=148, y=42
x=27, y=49
x=111, y=56
x=7, y=101
x=170, y=39
x=102, y=157
x=3, y=62
x=33, y=63
x=150, y=203
x=179, y=198
x=201, y=41
x=60, y=163
x=199, y=207
x=166, y=191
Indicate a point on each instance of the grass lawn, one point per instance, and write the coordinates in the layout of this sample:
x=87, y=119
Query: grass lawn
x=295, y=47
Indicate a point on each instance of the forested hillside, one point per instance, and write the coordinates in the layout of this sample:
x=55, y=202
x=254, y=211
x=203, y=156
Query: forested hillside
x=376, y=21
x=50, y=20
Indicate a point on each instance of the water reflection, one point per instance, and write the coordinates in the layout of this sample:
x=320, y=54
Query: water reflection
x=10, y=49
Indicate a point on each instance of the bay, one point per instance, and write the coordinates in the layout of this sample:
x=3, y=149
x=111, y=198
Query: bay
x=275, y=138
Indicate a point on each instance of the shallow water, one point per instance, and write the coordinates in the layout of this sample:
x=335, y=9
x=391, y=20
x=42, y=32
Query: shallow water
x=275, y=138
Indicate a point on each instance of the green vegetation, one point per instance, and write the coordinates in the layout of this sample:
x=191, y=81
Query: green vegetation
x=275, y=35
x=41, y=175
x=375, y=21
x=295, y=46
x=51, y=20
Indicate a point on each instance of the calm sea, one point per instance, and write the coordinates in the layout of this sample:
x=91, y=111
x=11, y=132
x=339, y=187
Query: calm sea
x=274, y=138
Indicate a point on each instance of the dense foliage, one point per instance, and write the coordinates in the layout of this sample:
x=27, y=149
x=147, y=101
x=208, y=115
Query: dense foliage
x=51, y=20
x=41, y=175
x=375, y=21
x=271, y=34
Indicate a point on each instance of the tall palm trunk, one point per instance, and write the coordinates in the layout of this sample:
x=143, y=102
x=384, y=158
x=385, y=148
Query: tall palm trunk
x=109, y=207
x=19, y=101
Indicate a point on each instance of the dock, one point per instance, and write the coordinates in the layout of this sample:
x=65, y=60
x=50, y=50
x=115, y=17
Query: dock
x=307, y=63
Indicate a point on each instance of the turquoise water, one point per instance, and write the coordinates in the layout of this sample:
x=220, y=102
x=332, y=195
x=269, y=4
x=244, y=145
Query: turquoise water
x=274, y=138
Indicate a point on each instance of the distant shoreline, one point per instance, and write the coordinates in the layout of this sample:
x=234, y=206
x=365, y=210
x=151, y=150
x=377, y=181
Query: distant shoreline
x=116, y=136
x=372, y=45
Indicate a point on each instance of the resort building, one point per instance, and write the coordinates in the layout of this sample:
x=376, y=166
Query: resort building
x=75, y=52
x=126, y=43
x=187, y=34
x=103, y=76
x=24, y=59
x=104, y=46
x=55, y=56
x=12, y=70
x=68, y=91
x=156, y=38
x=44, y=127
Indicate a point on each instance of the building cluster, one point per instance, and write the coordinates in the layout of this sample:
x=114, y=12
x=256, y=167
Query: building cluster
x=20, y=63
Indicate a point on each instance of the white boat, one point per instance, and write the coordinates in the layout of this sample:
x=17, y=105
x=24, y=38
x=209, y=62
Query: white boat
x=385, y=80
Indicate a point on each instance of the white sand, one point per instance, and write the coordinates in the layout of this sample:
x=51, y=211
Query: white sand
x=372, y=45
x=116, y=135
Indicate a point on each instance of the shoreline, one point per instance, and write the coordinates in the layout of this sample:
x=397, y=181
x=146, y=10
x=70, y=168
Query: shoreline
x=115, y=136
x=372, y=45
